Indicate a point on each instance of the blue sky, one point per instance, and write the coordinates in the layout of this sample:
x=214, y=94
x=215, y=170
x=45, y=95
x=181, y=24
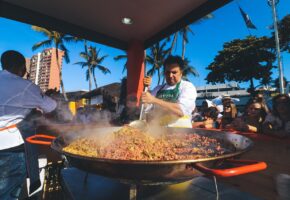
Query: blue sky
x=209, y=37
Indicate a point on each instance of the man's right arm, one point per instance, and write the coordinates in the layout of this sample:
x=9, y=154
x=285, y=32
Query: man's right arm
x=34, y=98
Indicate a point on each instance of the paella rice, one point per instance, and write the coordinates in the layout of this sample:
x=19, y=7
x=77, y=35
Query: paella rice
x=133, y=144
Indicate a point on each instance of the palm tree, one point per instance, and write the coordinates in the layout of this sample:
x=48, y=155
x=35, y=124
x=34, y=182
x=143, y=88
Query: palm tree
x=184, y=34
x=93, y=61
x=173, y=43
x=87, y=63
x=57, y=40
x=156, y=57
x=188, y=69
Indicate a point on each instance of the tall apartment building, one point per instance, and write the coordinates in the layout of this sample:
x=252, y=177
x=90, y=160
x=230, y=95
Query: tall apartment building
x=44, y=70
x=27, y=63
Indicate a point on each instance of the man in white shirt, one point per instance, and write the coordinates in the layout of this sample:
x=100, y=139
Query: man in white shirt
x=174, y=101
x=18, y=98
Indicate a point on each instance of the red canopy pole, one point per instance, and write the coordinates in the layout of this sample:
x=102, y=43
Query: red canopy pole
x=135, y=70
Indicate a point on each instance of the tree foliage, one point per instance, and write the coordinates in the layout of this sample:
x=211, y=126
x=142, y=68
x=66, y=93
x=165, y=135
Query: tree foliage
x=243, y=60
x=276, y=83
x=284, y=33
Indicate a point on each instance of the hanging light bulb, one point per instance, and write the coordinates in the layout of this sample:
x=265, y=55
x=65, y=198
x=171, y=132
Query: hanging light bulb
x=127, y=21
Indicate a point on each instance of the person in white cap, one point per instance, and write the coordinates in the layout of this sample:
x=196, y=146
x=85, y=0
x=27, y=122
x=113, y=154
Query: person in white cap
x=18, y=98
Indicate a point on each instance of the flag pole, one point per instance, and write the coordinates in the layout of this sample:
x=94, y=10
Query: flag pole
x=273, y=3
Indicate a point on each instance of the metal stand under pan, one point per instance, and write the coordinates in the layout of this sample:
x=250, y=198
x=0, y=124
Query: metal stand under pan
x=135, y=186
x=99, y=187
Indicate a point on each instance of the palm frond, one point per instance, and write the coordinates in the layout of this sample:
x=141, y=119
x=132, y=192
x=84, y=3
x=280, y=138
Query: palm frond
x=103, y=69
x=45, y=32
x=87, y=75
x=82, y=64
x=190, y=70
x=66, y=57
x=101, y=59
x=68, y=38
x=125, y=67
x=120, y=57
x=46, y=43
x=84, y=55
x=150, y=72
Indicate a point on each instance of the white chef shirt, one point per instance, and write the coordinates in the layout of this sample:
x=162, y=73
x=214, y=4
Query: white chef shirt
x=186, y=98
x=17, y=98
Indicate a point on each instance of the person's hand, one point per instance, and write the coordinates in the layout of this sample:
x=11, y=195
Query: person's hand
x=147, y=81
x=208, y=123
x=52, y=92
x=39, y=110
x=147, y=98
x=239, y=125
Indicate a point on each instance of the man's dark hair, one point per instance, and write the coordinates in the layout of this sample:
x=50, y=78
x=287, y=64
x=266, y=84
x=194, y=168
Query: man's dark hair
x=174, y=60
x=12, y=61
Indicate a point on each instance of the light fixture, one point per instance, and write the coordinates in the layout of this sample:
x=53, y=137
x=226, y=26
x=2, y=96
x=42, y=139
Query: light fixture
x=127, y=21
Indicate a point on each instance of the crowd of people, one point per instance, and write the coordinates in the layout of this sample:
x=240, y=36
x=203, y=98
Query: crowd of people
x=256, y=117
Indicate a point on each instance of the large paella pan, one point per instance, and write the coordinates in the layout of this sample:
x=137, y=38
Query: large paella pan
x=156, y=171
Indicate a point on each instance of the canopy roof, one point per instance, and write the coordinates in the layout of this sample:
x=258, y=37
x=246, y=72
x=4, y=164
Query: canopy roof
x=100, y=20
